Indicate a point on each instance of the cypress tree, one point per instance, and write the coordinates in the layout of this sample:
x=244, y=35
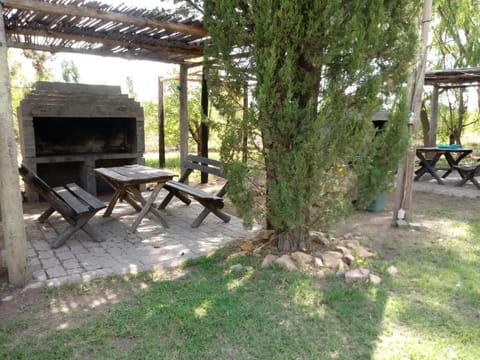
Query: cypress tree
x=318, y=70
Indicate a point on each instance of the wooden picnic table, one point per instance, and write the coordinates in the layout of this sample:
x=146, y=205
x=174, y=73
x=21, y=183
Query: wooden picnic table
x=126, y=180
x=429, y=156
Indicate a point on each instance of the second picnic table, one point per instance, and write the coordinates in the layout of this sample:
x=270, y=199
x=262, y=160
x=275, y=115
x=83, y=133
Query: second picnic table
x=429, y=157
x=125, y=180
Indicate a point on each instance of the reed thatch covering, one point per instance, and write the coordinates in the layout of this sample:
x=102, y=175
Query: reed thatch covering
x=91, y=27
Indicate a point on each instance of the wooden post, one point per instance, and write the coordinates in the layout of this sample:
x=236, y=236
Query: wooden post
x=204, y=130
x=183, y=113
x=161, y=125
x=404, y=191
x=11, y=207
x=432, y=133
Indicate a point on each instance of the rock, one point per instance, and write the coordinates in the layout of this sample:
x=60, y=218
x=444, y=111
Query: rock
x=236, y=267
x=33, y=285
x=319, y=237
x=247, y=246
x=416, y=226
x=392, y=271
x=318, y=262
x=268, y=260
x=350, y=244
x=286, y=262
x=363, y=252
x=343, y=249
x=7, y=298
x=356, y=275
x=348, y=259
x=302, y=259
x=264, y=234
x=331, y=259
x=374, y=279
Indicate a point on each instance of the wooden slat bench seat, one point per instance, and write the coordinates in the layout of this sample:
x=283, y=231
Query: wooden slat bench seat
x=76, y=205
x=468, y=173
x=212, y=203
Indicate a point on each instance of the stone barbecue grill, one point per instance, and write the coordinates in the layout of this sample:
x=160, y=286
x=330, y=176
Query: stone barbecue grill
x=67, y=130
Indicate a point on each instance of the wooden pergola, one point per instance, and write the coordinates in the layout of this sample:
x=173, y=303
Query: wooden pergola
x=444, y=80
x=84, y=27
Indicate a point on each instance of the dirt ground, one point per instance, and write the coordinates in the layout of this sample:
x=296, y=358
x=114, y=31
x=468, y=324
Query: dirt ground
x=376, y=228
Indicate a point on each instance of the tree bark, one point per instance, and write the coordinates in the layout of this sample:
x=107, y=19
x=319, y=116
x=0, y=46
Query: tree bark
x=10, y=198
x=404, y=190
x=297, y=239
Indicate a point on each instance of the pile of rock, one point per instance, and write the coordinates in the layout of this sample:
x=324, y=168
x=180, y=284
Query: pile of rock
x=342, y=256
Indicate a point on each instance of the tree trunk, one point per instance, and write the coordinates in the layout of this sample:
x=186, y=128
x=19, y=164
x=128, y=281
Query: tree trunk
x=425, y=125
x=297, y=239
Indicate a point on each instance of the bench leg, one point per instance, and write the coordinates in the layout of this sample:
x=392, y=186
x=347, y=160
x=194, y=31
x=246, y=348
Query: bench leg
x=475, y=182
x=60, y=239
x=147, y=206
x=169, y=197
x=207, y=210
x=46, y=214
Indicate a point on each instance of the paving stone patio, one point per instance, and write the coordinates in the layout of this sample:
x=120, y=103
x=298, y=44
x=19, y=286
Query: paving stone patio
x=151, y=247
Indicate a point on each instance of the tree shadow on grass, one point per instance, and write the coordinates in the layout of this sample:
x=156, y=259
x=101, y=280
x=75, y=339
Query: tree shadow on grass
x=213, y=312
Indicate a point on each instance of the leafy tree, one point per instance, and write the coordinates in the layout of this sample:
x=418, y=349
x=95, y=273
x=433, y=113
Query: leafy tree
x=455, y=44
x=130, y=88
x=40, y=61
x=70, y=73
x=172, y=115
x=318, y=71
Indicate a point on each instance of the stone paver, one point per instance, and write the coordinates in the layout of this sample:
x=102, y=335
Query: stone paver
x=152, y=247
x=430, y=185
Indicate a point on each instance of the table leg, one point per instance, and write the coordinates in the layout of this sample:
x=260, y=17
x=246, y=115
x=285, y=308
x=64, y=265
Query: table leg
x=112, y=203
x=453, y=161
x=147, y=206
x=428, y=166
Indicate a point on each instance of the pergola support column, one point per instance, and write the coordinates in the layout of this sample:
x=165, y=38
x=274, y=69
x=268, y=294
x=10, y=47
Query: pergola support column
x=432, y=133
x=161, y=125
x=204, y=130
x=183, y=113
x=404, y=190
x=11, y=207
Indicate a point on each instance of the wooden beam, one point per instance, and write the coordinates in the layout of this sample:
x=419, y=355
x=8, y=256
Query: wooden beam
x=124, y=55
x=162, y=47
x=161, y=126
x=49, y=8
x=404, y=190
x=11, y=207
x=204, y=128
x=432, y=133
x=183, y=113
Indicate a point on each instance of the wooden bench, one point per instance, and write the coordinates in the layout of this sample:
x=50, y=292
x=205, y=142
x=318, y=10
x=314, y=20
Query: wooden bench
x=75, y=205
x=468, y=173
x=211, y=202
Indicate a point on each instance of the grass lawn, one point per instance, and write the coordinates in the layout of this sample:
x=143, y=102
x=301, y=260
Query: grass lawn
x=430, y=310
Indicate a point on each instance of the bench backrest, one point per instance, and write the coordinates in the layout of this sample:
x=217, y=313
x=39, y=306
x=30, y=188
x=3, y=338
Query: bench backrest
x=69, y=200
x=205, y=165
x=33, y=180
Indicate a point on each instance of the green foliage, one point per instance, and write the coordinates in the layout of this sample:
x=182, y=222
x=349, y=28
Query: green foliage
x=130, y=87
x=40, y=61
x=376, y=171
x=70, y=72
x=455, y=45
x=320, y=71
